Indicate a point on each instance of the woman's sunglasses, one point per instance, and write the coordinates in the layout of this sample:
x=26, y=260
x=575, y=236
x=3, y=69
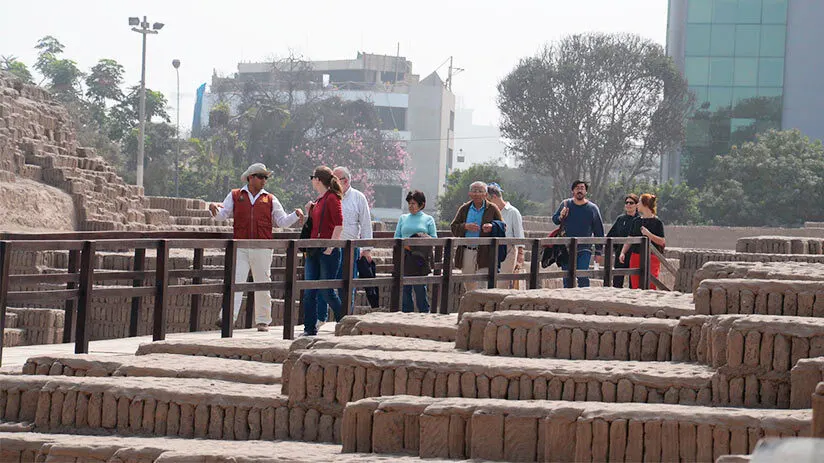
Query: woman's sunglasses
x=630, y=203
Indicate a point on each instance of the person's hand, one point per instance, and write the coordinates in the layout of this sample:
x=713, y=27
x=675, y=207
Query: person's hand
x=299, y=213
x=599, y=260
x=645, y=232
x=472, y=226
x=214, y=208
x=622, y=257
x=328, y=251
x=487, y=227
x=564, y=212
x=367, y=254
x=308, y=206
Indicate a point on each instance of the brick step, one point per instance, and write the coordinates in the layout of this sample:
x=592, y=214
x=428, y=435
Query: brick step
x=566, y=336
x=588, y=301
x=364, y=342
x=334, y=377
x=171, y=407
x=805, y=377
x=762, y=297
x=61, y=447
x=13, y=337
x=258, y=350
x=42, y=325
x=541, y=430
x=409, y=325
x=759, y=271
x=779, y=245
x=11, y=320
x=156, y=365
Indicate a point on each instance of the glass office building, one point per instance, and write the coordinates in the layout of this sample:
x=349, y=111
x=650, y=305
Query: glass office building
x=736, y=55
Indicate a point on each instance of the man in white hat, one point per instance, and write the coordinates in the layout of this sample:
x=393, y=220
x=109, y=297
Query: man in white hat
x=254, y=211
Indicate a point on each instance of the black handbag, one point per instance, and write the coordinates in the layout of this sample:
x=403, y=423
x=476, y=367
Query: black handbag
x=306, y=230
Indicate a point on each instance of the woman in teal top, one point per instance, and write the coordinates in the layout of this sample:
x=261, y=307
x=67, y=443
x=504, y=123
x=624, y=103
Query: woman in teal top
x=416, y=223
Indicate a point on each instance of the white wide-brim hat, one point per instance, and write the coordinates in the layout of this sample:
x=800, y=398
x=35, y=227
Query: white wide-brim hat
x=256, y=168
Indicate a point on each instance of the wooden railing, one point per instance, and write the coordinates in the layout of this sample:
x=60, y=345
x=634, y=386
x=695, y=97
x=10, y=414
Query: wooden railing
x=81, y=275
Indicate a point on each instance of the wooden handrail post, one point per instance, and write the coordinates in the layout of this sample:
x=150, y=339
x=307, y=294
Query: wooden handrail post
x=397, y=275
x=493, y=265
x=573, y=263
x=446, y=285
x=162, y=292
x=228, y=309
x=348, y=270
x=71, y=304
x=84, y=300
x=134, y=315
x=436, y=288
x=249, y=316
x=644, y=263
x=609, y=255
x=289, y=294
x=535, y=264
x=5, y=268
x=194, y=309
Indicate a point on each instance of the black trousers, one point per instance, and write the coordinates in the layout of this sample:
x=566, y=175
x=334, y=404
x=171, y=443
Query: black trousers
x=618, y=281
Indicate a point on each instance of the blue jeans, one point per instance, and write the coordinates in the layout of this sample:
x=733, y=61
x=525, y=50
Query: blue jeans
x=582, y=263
x=420, y=296
x=323, y=310
x=319, y=266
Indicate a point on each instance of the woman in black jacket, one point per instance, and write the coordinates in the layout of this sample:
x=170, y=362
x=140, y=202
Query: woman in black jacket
x=621, y=229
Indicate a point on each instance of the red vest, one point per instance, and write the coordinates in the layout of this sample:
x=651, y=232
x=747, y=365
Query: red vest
x=252, y=221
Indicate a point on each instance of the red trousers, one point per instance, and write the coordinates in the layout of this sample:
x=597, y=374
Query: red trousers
x=635, y=262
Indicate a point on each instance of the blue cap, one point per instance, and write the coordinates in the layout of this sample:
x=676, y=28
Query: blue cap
x=493, y=184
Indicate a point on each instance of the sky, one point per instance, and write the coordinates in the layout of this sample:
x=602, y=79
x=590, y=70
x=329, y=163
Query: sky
x=486, y=38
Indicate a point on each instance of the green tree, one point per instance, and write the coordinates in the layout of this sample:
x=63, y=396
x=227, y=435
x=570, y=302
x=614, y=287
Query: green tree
x=457, y=190
x=678, y=204
x=125, y=115
x=590, y=104
x=17, y=68
x=778, y=180
x=63, y=76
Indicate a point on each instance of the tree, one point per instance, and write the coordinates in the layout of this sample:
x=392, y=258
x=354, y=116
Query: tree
x=678, y=204
x=457, y=189
x=63, y=75
x=125, y=115
x=11, y=65
x=589, y=104
x=778, y=180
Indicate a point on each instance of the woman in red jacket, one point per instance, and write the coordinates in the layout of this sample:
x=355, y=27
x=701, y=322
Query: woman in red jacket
x=322, y=263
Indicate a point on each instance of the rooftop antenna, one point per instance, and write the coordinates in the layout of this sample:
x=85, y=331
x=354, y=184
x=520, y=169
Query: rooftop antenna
x=452, y=72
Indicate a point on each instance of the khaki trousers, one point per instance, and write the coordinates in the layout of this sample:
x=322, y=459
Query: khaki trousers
x=508, y=266
x=470, y=266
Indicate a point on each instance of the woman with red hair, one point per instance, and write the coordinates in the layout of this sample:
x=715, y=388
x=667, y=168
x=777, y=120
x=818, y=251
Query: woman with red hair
x=649, y=225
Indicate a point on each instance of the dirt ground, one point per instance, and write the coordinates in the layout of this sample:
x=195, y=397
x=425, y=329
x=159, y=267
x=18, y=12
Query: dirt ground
x=29, y=206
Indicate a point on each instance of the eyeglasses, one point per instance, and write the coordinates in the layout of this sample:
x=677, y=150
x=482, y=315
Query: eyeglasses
x=313, y=177
x=260, y=176
x=630, y=203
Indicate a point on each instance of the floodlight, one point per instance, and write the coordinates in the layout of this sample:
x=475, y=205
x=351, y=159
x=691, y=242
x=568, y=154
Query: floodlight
x=157, y=26
x=134, y=21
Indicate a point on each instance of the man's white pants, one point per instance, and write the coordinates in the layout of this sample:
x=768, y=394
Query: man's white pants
x=508, y=266
x=260, y=262
x=470, y=266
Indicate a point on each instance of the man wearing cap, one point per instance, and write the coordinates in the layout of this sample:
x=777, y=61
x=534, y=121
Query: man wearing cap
x=254, y=211
x=514, y=261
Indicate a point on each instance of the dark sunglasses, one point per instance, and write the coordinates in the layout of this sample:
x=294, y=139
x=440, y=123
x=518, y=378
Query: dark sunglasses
x=630, y=203
x=313, y=176
x=260, y=176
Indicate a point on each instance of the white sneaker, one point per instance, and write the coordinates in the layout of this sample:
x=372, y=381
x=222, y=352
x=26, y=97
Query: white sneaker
x=319, y=324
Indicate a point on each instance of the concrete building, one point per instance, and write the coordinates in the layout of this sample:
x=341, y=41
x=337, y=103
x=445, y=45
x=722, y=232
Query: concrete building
x=418, y=113
x=475, y=142
x=752, y=65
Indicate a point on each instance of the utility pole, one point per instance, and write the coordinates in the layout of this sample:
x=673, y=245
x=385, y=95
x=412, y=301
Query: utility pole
x=176, y=64
x=452, y=71
x=144, y=31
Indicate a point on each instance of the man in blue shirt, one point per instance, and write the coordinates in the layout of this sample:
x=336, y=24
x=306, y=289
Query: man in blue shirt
x=473, y=220
x=582, y=218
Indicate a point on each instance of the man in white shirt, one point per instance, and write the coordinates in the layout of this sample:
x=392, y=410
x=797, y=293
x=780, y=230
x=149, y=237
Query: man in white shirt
x=357, y=225
x=254, y=211
x=514, y=261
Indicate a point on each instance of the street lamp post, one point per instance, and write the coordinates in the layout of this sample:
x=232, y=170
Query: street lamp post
x=176, y=64
x=144, y=30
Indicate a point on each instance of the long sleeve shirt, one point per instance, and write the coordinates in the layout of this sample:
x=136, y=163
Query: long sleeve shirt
x=357, y=221
x=582, y=221
x=410, y=224
x=279, y=216
x=514, y=222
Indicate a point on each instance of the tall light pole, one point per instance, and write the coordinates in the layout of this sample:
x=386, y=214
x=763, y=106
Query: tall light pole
x=144, y=30
x=176, y=64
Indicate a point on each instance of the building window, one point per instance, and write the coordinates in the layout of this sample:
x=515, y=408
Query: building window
x=747, y=39
x=392, y=118
x=722, y=41
x=698, y=40
x=771, y=72
x=746, y=72
x=700, y=11
x=721, y=70
x=774, y=12
x=698, y=70
x=725, y=11
x=772, y=40
x=452, y=120
x=720, y=98
x=388, y=196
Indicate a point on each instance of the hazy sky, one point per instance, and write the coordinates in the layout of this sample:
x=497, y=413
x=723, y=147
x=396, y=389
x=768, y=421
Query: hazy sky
x=486, y=37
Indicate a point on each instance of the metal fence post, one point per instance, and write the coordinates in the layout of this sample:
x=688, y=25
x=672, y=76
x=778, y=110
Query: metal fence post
x=228, y=311
x=397, y=275
x=446, y=285
x=289, y=294
x=71, y=305
x=134, y=315
x=194, y=310
x=5, y=268
x=535, y=264
x=84, y=300
x=161, y=292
